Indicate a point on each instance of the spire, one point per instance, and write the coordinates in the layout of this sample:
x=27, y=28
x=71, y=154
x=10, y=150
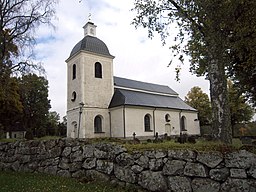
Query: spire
x=90, y=28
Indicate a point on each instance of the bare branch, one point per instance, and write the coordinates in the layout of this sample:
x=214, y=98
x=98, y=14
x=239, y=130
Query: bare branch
x=18, y=21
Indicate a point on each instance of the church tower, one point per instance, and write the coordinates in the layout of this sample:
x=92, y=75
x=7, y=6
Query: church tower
x=90, y=86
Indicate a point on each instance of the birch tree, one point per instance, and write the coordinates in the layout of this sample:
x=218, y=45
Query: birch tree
x=210, y=32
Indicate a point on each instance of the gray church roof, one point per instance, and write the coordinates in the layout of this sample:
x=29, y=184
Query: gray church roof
x=159, y=96
x=128, y=83
x=134, y=98
x=91, y=44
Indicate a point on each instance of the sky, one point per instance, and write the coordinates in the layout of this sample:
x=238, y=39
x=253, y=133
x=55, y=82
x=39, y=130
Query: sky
x=136, y=56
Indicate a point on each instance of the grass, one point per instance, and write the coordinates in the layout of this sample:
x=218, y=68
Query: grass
x=48, y=138
x=200, y=145
x=41, y=138
x=35, y=182
x=7, y=140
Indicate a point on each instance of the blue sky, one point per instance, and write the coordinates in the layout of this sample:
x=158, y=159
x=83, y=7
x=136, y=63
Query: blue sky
x=136, y=56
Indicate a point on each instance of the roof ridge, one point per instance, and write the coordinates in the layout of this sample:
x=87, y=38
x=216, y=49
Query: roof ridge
x=140, y=85
x=141, y=81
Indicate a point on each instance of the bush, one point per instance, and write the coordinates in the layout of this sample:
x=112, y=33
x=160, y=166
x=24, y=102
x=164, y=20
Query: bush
x=29, y=135
x=41, y=132
x=192, y=139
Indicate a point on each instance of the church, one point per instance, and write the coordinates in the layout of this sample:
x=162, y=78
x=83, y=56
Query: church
x=102, y=105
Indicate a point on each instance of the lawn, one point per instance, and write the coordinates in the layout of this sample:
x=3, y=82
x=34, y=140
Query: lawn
x=28, y=182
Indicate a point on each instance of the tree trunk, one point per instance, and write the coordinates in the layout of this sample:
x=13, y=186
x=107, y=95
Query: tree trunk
x=221, y=124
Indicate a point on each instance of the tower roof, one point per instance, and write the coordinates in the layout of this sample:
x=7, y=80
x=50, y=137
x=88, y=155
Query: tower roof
x=91, y=44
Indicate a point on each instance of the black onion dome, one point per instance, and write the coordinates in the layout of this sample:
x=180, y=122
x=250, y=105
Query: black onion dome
x=91, y=44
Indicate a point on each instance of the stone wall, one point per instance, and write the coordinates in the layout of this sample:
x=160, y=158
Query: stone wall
x=172, y=170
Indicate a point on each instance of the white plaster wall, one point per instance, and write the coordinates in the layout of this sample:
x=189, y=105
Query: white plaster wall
x=192, y=124
x=134, y=121
x=172, y=127
x=117, y=123
x=88, y=123
x=97, y=92
x=74, y=84
x=72, y=116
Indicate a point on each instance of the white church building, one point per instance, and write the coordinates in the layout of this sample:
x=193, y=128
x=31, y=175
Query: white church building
x=102, y=105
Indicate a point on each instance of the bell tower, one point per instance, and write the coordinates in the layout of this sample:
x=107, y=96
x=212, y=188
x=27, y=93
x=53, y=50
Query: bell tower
x=90, y=29
x=90, y=86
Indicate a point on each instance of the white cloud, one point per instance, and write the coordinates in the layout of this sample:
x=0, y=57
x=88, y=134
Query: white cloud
x=136, y=56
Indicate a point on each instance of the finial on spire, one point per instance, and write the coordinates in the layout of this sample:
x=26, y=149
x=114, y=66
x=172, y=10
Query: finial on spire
x=90, y=28
x=90, y=17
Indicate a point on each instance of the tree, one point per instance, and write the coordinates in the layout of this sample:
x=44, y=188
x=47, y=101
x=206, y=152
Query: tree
x=10, y=104
x=199, y=100
x=34, y=97
x=240, y=110
x=62, y=127
x=215, y=30
x=53, y=122
x=18, y=21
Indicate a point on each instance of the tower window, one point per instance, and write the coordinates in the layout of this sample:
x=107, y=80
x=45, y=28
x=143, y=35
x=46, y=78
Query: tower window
x=73, y=96
x=74, y=71
x=147, y=122
x=98, y=124
x=98, y=70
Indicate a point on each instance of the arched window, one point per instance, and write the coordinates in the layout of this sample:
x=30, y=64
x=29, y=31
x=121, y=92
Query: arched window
x=183, y=123
x=167, y=118
x=98, y=124
x=147, y=122
x=98, y=70
x=74, y=71
x=73, y=96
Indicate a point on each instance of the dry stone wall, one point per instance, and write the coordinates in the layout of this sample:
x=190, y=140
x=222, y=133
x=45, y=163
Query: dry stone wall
x=155, y=170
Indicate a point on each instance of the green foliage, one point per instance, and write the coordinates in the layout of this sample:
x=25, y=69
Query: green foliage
x=53, y=122
x=28, y=182
x=34, y=97
x=62, y=127
x=29, y=135
x=199, y=100
x=220, y=38
x=19, y=19
x=244, y=129
x=10, y=104
x=41, y=131
x=240, y=110
x=223, y=31
x=2, y=134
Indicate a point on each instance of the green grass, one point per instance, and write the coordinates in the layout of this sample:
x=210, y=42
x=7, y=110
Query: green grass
x=200, y=145
x=41, y=138
x=8, y=140
x=47, y=138
x=28, y=182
